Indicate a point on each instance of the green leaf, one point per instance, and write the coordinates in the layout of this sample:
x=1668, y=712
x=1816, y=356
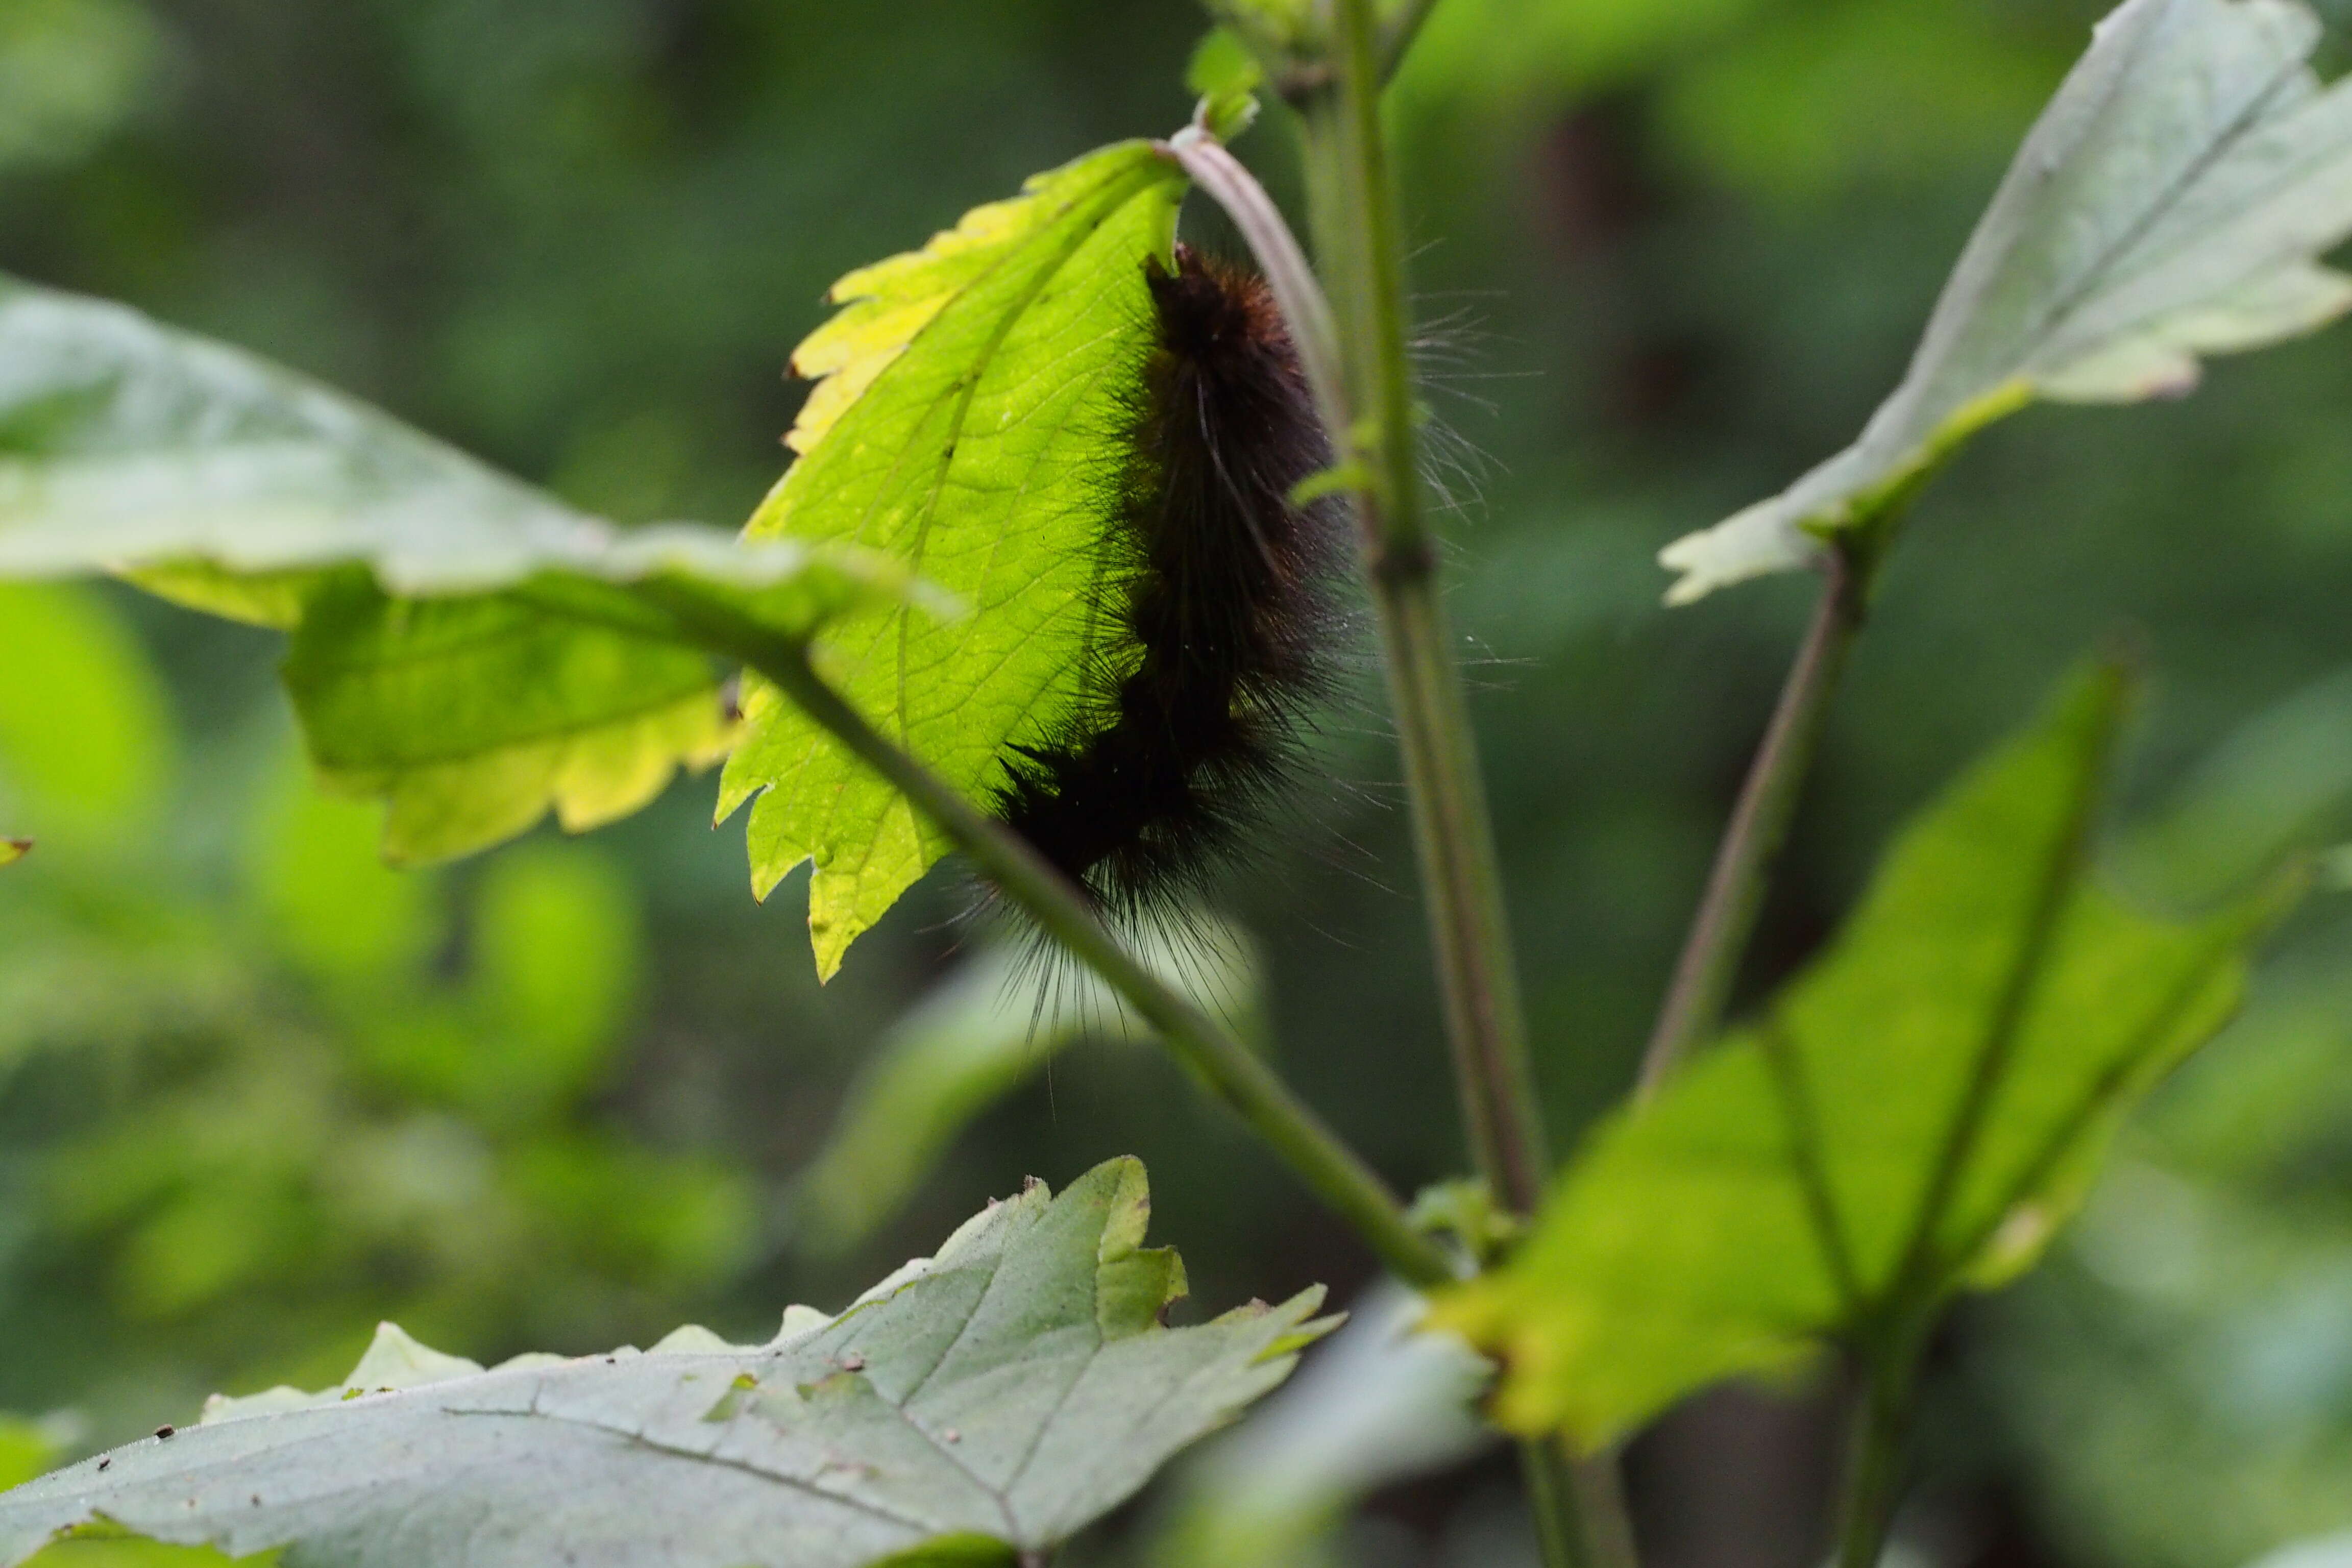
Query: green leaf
x=465, y=647
x=1226, y=76
x=473, y=717
x=1913, y=1116
x=14, y=849
x=986, y=1030
x=2173, y=202
x=1010, y=1390
x=127, y=445
x=970, y=400
x=2322, y=1552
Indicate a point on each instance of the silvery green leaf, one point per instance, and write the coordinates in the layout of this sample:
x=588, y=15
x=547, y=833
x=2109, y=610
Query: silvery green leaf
x=125, y=444
x=988, y=1401
x=2173, y=202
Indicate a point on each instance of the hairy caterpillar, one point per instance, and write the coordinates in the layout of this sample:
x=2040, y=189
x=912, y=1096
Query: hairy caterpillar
x=1213, y=609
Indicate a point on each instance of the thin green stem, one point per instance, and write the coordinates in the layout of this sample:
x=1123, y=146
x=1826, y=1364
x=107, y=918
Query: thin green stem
x=1579, y=1509
x=1874, y=1455
x=1579, y=1514
x=1350, y=185
x=1334, y=1171
x=1758, y=829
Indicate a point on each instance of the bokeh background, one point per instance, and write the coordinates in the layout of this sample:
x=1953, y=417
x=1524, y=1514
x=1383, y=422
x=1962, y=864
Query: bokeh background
x=257, y=1093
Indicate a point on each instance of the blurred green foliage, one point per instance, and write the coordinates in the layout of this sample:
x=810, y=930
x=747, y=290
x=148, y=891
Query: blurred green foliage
x=261, y=1095
x=260, y=1101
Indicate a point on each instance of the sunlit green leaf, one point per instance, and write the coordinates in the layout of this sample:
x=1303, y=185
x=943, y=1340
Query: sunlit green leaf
x=1913, y=1116
x=2173, y=202
x=970, y=408
x=465, y=647
x=1008, y=1391
x=474, y=716
x=983, y=1033
x=1227, y=77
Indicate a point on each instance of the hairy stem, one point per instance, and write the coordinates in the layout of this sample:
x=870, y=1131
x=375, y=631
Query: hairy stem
x=1579, y=1509
x=1333, y=1170
x=1349, y=183
x=1451, y=832
x=1758, y=830
x=1579, y=1515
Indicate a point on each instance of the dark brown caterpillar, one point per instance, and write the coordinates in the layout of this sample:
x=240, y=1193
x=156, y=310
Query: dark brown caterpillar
x=1215, y=606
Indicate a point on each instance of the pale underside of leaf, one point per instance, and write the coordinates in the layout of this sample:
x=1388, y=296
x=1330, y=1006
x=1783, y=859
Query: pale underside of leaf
x=126, y=444
x=236, y=487
x=1915, y=1116
x=2173, y=202
x=996, y=1397
x=970, y=425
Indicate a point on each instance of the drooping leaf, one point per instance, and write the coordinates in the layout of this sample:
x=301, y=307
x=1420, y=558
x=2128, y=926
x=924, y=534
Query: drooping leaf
x=1911, y=1118
x=967, y=420
x=473, y=717
x=983, y=1033
x=464, y=645
x=2173, y=202
x=1381, y=1404
x=995, y=1398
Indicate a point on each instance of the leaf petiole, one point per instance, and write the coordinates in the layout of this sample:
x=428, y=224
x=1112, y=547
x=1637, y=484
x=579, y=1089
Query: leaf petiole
x=1758, y=829
x=1333, y=1170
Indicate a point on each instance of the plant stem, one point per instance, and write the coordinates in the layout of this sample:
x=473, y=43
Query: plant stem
x=1580, y=1514
x=1873, y=1478
x=1579, y=1509
x=1453, y=838
x=1334, y=1171
x=1758, y=830
x=1350, y=183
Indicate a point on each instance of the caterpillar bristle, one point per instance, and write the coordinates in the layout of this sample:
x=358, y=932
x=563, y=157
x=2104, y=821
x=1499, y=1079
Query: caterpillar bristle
x=1216, y=598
